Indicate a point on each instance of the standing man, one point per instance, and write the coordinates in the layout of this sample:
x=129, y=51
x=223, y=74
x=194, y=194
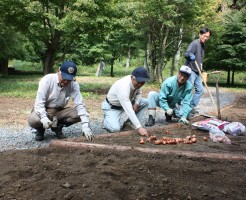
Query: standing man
x=53, y=94
x=125, y=97
x=174, y=97
x=195, y=52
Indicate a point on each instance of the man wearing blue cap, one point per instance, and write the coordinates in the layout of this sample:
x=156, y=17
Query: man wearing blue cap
x=50, y=109
x=174, y=97
x=125, y=97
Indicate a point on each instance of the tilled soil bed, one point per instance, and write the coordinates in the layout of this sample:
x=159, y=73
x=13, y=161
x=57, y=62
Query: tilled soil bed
x=103, y=173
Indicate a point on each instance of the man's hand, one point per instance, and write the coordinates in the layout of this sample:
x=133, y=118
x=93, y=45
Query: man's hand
x=87, y=131
x=46, y=122
x=184, y=120
x=170, y=112
x=192, y=57
x=135, y=107
x=143, y=132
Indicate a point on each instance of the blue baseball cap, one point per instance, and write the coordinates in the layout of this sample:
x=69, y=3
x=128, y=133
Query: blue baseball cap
x=141, y=74
x=68, y=70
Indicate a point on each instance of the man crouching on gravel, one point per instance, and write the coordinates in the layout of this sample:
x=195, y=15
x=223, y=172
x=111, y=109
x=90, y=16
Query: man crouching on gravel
x=174, y=97
x=125, y=97
x=53, y=94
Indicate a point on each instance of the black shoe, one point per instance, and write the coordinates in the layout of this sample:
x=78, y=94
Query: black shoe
x=58, y=131
x=127, y=126
x=151, y=121
x=194, y=111
x=39, y=135
x=168, y=117
x=60, y=136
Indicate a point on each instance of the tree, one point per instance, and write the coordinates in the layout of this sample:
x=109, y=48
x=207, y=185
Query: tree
x=161, y=22
x=53, y=27
x=229, y=52
x=13, y=45
x=232, y=51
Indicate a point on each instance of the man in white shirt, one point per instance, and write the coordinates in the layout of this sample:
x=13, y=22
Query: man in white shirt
x=50, y=109
x=125, y=97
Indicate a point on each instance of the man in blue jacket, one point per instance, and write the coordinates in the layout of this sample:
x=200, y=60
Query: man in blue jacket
x=174, y=97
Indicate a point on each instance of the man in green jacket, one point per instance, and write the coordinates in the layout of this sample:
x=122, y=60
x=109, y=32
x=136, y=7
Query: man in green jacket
x=174, y=97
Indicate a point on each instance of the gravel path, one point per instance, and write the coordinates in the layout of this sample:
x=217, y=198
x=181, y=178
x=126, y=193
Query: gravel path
x=10, y=138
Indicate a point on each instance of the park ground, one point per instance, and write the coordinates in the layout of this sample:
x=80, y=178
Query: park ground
x=95, y=173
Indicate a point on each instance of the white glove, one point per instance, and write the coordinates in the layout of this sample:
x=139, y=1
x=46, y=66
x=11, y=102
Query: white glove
x=184, y=120
x=170, y=112
x=87, y=131
x=46, y=122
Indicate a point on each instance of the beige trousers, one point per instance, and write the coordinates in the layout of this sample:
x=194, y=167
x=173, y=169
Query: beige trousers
x=66, y=116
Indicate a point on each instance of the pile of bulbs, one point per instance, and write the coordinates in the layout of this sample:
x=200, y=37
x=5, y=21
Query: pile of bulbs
x=169, y=140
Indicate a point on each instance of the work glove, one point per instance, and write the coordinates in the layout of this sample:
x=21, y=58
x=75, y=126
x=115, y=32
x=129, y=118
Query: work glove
x=192, y=57
x=46, y=122
x=87, y=131
x=169, y=112
x=183, y=120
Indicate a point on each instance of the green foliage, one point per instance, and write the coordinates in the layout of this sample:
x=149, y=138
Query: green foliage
x=240, y=80
x=19, y=86
x=230, y=48
x=86, y=31
x=26, y=66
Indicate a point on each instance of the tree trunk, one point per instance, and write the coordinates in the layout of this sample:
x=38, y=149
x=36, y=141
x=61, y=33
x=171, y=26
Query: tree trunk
x=161, y=57
x=49, y=58
x=177, y=55
x=146, y=59
x=112, y=64
x=228, y=76
x=112, y=68
x=128, y=60
x=232, y=75
x=152, y=56
x=4, y=66
x=100, y=68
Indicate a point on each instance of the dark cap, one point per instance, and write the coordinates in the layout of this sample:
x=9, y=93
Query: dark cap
x=68, y=70
x=140, y=74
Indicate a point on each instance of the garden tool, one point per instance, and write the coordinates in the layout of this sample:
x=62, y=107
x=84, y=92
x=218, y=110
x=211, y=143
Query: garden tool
x=200, y=73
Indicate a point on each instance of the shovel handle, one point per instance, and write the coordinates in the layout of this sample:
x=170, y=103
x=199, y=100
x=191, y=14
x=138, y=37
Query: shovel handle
x=200, y=73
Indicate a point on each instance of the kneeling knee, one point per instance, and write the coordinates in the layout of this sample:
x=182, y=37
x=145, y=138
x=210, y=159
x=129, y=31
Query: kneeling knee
x=114, y=129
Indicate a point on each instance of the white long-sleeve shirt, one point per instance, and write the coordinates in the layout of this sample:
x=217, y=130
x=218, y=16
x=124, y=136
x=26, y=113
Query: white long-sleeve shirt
x=51, y=95
x=122, y=93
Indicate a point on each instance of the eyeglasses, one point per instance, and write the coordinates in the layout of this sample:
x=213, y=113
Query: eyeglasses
x=143, y=82
x=184, y=75
x=64, y=80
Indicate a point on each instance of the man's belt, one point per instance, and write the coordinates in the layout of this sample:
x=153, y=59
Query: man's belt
x=113, y=106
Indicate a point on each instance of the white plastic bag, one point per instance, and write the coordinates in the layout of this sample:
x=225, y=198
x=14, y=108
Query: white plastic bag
x=234, y=128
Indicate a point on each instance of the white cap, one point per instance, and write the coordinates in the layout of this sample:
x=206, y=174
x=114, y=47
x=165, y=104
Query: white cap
x=185, y=69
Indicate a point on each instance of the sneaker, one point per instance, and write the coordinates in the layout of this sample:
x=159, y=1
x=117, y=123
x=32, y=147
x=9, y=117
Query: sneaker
x=150, y=122
x=168, y=117
x=39, y=135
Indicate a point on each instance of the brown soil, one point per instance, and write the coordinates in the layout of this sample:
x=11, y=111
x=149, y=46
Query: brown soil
x=203, y=170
